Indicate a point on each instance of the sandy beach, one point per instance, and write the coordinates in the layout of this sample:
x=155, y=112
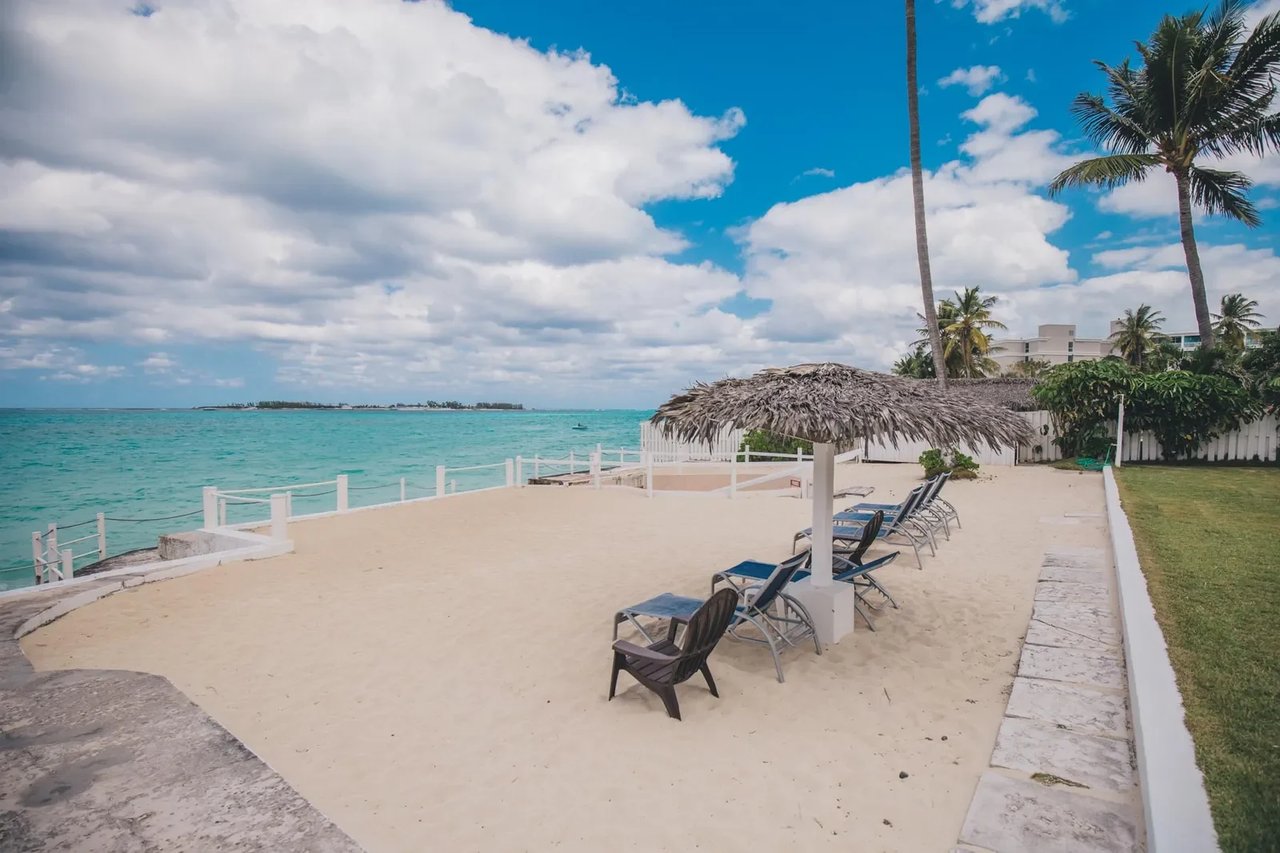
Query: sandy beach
x=434, y=676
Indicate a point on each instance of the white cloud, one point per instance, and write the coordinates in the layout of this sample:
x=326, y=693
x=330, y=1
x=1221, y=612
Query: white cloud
x=993, y=11
x=376, y=193
x=819, y=172
x=977, y=79
x=157, y=362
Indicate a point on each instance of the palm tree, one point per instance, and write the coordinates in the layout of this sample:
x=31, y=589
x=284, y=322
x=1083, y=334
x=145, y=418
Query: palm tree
x=918, y=364
x=966, y=334
x=1237, y=320
x=917, y=195
x=1136, y=337
x=1204, y=88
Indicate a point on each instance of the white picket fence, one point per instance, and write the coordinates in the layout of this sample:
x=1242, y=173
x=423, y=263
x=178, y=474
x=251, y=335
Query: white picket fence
x=662, y=448
x=1254, y=441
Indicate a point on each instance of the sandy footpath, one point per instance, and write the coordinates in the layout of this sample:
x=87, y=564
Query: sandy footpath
x=433, y=676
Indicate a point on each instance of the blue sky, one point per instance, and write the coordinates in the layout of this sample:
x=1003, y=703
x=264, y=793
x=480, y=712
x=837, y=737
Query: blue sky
x=560, y=203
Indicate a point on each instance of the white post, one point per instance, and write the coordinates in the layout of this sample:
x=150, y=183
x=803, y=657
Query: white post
x=453, y=487
x=746, y=453
x=600, y=450
x=1120, y=433
x=595, y=469
x=822, y=488
x=535, y=466
x=280, y=517
x=800, y=453
x=222, y=512
x=342, y=493
x=288, y=504
x=648, y=479
x=511, y=472
x=210, y=494
x=68, y=564
x=520, y=471
x=439, y=481
x=102, y=536
x=50, y=551
x=37, y=555
x=402, y=495
x=733, y=477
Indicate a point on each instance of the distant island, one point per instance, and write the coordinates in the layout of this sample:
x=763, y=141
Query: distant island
x=429, y=405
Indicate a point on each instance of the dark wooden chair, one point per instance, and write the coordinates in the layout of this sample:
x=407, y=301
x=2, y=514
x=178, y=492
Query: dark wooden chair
x=661, y=665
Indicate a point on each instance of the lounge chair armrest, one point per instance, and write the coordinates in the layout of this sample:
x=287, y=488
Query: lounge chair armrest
x=632, y=649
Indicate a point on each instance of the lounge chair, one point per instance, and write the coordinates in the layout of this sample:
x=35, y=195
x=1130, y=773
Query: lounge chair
x=777, y=617
x=848, y=530
x=661, y=665
x=931, y=504
x=849, y=566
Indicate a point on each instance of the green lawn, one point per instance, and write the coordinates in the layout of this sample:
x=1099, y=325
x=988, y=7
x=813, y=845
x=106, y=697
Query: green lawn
x=1209, y=541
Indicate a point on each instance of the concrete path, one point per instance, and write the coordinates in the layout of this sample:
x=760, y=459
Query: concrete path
x=1062, y=773
x=107, y=760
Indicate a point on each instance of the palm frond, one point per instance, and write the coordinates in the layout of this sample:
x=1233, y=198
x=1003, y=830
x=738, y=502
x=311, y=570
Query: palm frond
x=1223, y=193
x=1108, y=171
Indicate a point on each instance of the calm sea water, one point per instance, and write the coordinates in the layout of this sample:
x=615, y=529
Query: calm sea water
x=65, y=466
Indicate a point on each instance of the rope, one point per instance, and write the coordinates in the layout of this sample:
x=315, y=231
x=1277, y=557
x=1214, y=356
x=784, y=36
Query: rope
x=161, y=518
x=77, y=524
x=313, y=494
x=370, y=488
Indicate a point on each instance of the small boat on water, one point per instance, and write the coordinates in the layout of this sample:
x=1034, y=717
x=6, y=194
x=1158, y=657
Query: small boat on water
x=580, y=426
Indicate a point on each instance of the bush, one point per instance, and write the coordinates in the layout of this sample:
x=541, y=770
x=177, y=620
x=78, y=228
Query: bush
x=936, y=462
x=1183, y=409
x=767, y=442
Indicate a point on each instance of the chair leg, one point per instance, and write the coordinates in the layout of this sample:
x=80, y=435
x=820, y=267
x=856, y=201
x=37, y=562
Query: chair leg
x=668, y=695
x=613, y=678
x=711, y=682
x=876, y=585
x=857, y=608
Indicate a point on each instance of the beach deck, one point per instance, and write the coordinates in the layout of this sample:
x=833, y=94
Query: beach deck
x=433, y=675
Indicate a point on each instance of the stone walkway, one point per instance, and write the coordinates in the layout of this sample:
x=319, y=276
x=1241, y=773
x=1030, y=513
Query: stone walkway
x=107, y=760
x=1062, y=773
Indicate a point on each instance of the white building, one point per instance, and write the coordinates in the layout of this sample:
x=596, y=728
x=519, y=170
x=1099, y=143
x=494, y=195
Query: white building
x=1055, y=343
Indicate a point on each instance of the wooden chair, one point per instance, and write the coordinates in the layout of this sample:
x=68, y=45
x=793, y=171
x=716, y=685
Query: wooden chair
x=662, y=665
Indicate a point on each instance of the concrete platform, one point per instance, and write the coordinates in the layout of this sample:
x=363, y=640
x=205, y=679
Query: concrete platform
x=105, y=760
x=1097, y=669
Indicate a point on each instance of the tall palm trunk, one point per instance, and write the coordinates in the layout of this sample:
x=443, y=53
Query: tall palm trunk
x=1193, y=260
x=917, y=195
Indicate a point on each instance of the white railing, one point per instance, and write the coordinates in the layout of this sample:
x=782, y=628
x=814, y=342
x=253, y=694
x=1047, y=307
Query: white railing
x=720, y=449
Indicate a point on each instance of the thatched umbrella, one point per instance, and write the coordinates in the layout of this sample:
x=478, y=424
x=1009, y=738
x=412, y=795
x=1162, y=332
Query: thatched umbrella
x=834, y=404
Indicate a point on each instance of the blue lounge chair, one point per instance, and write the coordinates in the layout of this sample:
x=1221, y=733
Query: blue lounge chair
x=778, y=618
x=849, y=566
x=848, y=530
x=932, y=504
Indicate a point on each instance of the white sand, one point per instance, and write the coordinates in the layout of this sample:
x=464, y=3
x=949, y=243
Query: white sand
x=434, y=676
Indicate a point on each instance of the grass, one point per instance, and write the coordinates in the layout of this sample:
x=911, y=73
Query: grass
x=1209, y=541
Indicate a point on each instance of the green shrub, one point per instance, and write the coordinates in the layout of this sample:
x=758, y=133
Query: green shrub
x=936, y=462
x=933, y=462
x=767, y=442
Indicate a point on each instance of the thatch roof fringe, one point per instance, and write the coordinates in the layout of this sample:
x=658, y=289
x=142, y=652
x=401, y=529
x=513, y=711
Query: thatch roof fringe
x=837, y=404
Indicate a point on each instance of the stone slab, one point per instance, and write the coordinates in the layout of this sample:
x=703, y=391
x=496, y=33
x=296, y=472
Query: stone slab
x=1080, y=558
x=1072, y=706
x=1097, y=669
x=1043, y=634
x=1017, y=814
x=1102, y=763
x=1086, y=619
x=1072, y=575
x=1093, y=594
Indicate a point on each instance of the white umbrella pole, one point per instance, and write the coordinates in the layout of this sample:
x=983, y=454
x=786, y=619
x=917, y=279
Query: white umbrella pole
x=824, y=475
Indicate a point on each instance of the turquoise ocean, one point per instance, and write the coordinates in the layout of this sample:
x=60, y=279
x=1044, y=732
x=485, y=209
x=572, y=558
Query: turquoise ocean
x=64, y=466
